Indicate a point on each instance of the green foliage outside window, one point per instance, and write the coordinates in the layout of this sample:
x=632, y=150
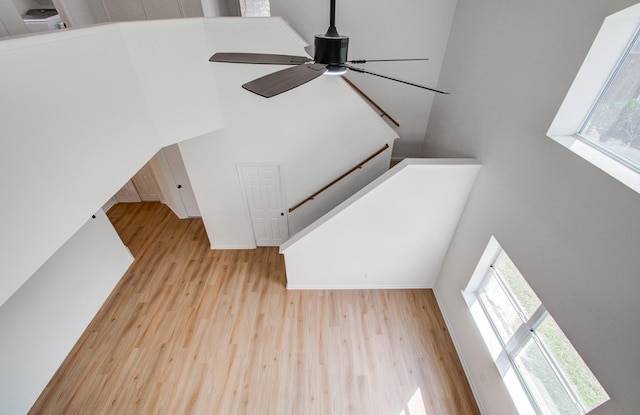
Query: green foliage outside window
x=614, y=122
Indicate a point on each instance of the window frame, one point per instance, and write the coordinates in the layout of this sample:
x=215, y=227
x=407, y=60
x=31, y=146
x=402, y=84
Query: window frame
x=521, y=338
x=611, y=79
x=607, y=50
x=502, y=354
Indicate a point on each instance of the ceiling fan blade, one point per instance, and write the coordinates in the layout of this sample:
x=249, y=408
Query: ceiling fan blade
x=353, y=68
x=361, y=61
x=284, y=80
x=310, y=49
x=260, y=58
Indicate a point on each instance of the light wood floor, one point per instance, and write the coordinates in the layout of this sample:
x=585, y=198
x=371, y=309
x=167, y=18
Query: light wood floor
x=189, y=330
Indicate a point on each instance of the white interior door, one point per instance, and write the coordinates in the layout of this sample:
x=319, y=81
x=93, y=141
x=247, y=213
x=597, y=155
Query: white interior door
x=146, y=184
x=128, y=194
x=179, y=173
x=263, y=192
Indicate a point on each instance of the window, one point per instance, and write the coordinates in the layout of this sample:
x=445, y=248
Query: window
x=542, y=370
x=599, y=119
x=613, y=125
x=255, y=8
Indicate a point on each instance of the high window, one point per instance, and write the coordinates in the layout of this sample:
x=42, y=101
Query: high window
x=255, y=8
x=542, y=370
x=613, y=124
x=599, y=119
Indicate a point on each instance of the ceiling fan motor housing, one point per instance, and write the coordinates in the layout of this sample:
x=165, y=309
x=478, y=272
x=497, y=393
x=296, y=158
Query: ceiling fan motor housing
x=331, y=50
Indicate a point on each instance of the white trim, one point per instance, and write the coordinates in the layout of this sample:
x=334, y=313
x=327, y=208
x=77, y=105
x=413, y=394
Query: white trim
x=234, y=247
x=502, y=352
x=488, y=257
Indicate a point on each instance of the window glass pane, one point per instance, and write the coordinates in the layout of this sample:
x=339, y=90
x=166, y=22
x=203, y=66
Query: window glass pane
x=501, y=311
x=584, y=384
x=520, y=289
x=255, y=8
x=542, y=382
x=615, y=120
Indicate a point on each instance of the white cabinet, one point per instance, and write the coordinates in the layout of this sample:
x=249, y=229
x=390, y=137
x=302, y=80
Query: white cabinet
x=78, y=13
x=162, y=9
x=119, y=11
x=123, y=10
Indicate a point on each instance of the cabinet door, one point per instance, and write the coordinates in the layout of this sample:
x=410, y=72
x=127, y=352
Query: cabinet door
x=162, y=9
x=191, y=8
x=123, y=10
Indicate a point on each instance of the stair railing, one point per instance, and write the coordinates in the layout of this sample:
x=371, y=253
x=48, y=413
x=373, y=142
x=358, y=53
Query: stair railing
x=358, y=166
x=383, y=113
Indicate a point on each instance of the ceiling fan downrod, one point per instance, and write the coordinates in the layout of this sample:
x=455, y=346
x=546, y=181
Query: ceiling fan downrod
x=332, y=31
x=331, y=48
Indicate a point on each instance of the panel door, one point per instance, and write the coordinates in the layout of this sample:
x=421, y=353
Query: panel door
x=146, y=184
x=263, y=192
x=128, y=194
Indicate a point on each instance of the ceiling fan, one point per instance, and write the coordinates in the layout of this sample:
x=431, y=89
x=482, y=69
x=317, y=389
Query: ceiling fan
x=329, y=56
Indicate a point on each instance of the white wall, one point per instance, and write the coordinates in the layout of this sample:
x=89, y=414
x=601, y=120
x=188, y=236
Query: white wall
x=314, y=209
x=394, y=233
x=81, y=111
x=89, y=119
x=170, y=58
x=315, y=132
x=572, y=230
x=386, y=30
x=43, y=320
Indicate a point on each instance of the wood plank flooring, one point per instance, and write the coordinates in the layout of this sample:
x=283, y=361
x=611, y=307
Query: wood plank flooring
x=189, y=330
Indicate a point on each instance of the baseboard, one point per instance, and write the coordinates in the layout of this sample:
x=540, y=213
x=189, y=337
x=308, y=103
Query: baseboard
x=396, y=160
x=110, y=203
x=358, y=287
x=463, y=362
x=232, y=247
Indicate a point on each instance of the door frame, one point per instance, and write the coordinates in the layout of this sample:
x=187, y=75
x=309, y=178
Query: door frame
x=171, y=164
x=245, y=198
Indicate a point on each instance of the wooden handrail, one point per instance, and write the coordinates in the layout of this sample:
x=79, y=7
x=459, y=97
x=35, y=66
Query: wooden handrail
x=371, y=101
x=291, y=209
